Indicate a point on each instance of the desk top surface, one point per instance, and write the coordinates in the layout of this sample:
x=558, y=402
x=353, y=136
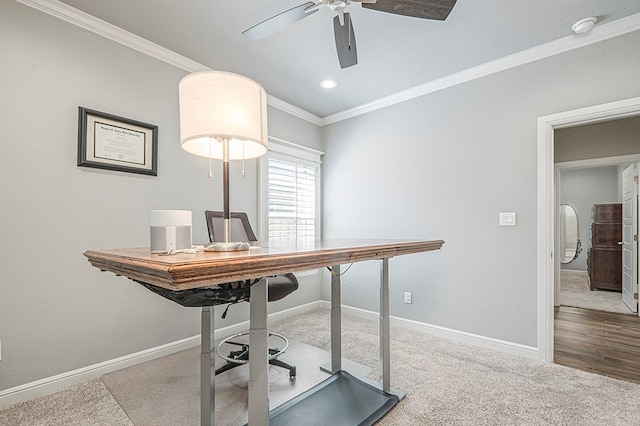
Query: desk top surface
x=183, y=271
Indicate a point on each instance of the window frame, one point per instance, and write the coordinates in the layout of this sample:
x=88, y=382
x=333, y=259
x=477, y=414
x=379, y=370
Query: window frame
x=287, y=151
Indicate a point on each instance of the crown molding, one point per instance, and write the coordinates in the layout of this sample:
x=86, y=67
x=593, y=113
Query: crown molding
x=111, y=32
x=599, y=33
x=294, y=110
x=102, y=28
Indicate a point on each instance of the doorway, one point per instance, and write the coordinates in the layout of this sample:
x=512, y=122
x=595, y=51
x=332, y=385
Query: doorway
x=580, y=185
x=547, y=196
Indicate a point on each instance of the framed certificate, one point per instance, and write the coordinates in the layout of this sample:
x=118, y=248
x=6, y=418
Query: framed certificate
x=106, y=141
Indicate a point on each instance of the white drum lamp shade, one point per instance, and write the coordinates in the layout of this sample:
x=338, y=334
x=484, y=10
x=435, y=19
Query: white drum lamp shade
x=216, y=105
x=223, y=116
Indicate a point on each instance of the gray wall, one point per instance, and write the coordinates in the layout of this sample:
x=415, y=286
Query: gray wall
x=607, y=139
x=440, y=166
x=444, y=166
x=581, y=189
x=57, y=313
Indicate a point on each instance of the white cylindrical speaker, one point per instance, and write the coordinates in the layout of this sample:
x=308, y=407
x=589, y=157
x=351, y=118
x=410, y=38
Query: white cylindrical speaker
x=170, y=230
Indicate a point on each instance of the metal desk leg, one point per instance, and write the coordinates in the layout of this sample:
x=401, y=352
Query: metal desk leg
x=258, y=358
x=335, y=364
x=385, y=346
x=207, y=369
x=336, y=321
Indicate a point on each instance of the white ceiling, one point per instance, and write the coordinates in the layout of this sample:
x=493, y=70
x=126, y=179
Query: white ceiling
x=395, y=53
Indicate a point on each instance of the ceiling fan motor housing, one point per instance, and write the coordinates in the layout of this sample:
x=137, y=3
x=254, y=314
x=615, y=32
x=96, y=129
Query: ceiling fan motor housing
x=338, y=5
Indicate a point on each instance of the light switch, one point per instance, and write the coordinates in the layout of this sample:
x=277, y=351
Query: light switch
x=508, y=219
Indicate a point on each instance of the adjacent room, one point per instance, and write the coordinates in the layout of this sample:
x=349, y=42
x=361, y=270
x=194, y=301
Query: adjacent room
x=445, y=217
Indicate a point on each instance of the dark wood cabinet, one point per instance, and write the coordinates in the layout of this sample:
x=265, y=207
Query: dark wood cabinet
x=605, y=255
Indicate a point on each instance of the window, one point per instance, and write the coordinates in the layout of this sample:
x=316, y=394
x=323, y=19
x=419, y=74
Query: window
x=291, y=200
x=289, y=192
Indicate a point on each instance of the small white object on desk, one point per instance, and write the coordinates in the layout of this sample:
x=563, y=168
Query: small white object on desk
x=170, y=230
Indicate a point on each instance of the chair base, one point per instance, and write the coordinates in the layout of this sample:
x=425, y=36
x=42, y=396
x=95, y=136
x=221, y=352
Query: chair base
x=241, y=356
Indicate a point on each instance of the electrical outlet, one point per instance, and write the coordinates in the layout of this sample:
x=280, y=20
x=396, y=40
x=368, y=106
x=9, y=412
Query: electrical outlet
x=407, y=297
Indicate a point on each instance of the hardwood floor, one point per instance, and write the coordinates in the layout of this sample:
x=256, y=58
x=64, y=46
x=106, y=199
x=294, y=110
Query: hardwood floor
x=600, y=342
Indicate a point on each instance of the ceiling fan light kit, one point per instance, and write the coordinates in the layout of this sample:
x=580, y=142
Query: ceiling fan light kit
x=337, y=5
x=342, y=26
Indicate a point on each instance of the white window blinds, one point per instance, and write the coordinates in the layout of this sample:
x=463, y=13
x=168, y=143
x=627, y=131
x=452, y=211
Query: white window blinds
x=291, y=205
x=290, y=192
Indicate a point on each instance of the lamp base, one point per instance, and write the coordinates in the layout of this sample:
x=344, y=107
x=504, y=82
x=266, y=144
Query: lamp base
x=226, y=246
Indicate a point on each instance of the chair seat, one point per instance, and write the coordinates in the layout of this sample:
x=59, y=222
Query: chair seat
x=281, y=286
x=278, y=287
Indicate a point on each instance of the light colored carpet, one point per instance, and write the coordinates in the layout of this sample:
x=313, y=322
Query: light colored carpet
x=166, y=391
x=86, y=404
x=574, y=291
x=447, y=383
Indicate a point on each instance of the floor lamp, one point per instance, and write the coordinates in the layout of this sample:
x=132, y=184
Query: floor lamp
x=223, y=116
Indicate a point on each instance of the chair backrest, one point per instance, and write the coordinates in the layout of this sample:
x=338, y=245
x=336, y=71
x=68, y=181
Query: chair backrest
x=239, y=224
x=280, y=285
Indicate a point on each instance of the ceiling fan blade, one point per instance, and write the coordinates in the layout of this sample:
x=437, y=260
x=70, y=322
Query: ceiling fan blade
x=345, y=41
x=279, y=21
x=316, y=6
x=425, y=9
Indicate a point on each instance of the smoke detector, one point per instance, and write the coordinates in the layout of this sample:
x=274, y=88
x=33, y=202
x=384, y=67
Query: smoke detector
x=584, y=25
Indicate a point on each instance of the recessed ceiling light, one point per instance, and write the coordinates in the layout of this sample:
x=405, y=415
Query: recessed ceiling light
x=584, y=25
x=328, y=83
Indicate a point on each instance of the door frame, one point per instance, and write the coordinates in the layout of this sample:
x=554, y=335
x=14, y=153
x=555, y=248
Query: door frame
x=547, y=201
x=578, y=165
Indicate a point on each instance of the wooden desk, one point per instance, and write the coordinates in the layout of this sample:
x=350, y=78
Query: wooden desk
x=205, y=269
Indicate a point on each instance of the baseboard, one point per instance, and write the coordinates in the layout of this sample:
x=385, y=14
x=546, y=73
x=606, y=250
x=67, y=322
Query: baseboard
x=53, y=384
x=447, y=333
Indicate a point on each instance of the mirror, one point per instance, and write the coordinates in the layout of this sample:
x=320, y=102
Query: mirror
x=570, y=245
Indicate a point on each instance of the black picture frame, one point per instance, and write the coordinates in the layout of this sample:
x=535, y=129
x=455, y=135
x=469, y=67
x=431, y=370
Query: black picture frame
x=106, y=141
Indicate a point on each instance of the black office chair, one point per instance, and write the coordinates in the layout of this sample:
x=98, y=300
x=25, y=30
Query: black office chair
x=278, y=287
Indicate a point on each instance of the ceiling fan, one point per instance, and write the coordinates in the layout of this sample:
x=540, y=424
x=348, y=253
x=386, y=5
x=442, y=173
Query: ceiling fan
x=342, y=27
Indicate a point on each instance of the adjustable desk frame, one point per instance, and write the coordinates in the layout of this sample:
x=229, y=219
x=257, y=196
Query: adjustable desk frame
x=185, y=271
